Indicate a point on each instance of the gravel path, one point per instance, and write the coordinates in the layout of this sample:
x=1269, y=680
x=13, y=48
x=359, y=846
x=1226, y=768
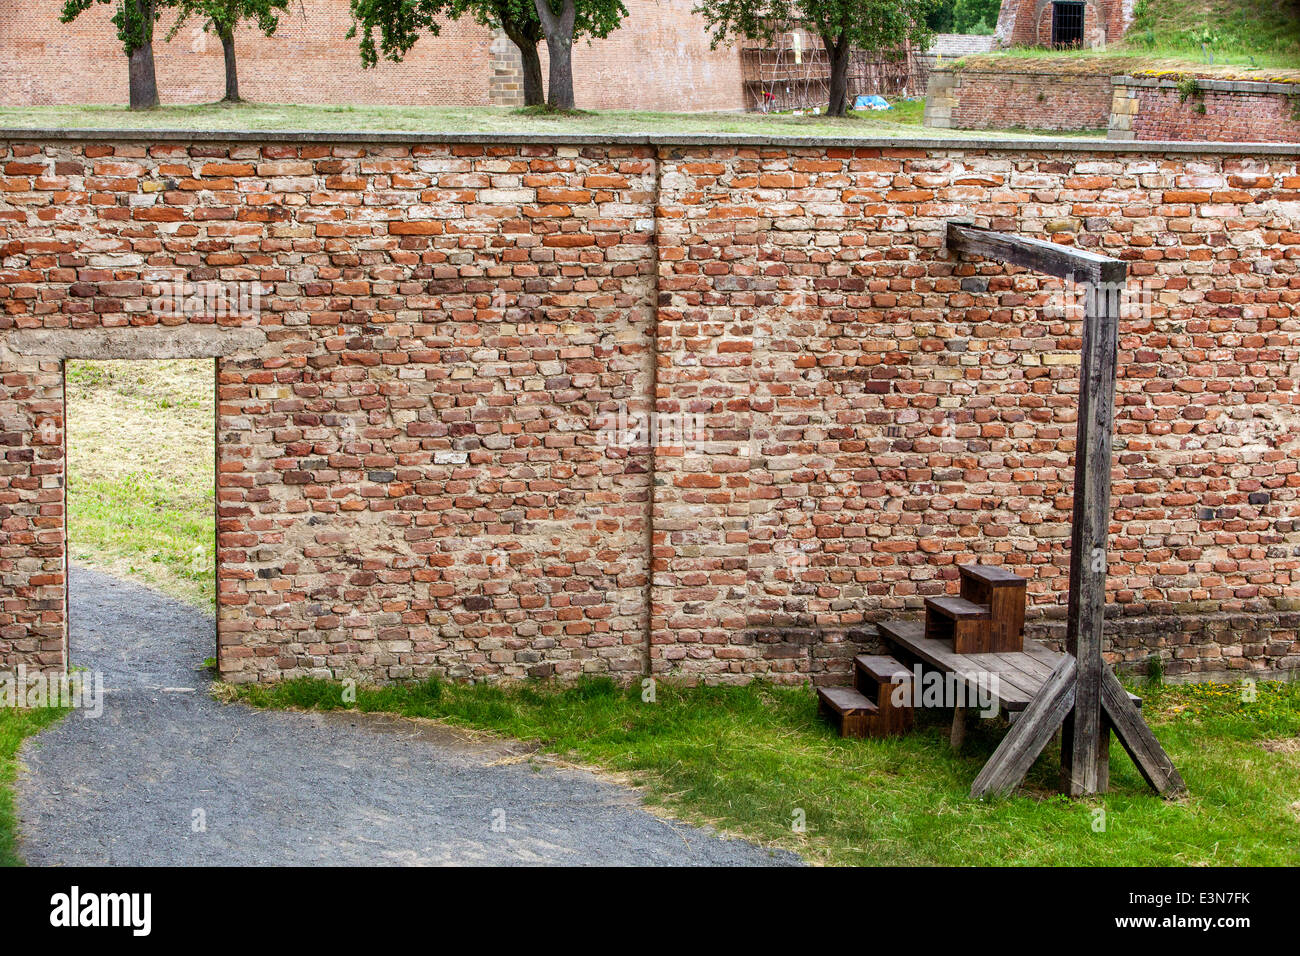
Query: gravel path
x=289, y=788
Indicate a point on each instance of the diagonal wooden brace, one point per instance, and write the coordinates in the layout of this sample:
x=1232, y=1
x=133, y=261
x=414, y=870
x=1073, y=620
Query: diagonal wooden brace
x=1151, y=760
x=1029, y=734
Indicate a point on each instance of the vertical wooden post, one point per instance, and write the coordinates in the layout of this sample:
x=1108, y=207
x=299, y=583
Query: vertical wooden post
x=1082, y=750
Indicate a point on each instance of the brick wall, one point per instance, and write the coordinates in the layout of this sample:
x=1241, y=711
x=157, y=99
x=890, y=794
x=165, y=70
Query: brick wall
x=997, y=99
x=1029, y=22
x=414, y=470
x=660, y=59
x=1231, y=111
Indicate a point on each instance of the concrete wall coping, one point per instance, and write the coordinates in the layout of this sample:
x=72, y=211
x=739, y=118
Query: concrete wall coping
x=377, y=137
x=1222, y=86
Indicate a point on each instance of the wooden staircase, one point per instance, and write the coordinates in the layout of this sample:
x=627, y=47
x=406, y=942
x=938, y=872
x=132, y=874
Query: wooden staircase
x=987, y=617
x=867, y=709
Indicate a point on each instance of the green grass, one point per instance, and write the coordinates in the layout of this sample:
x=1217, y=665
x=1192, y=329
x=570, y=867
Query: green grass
x=1268, y=30
x=1240, y=37
x=141, y=473
x=1124, y=58
x=15, y=725
x=747, y=758
x=903, y=121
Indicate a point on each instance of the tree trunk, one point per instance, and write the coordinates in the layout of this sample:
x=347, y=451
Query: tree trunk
x=227, y=35
x=534, y=94
x=559, y=47
x=561, y=79
x=839, y=52
x=140, y=73
x=144, y=84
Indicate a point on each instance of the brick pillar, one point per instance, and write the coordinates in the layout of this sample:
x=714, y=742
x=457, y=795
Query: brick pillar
x=33, y=567
x=506, y=84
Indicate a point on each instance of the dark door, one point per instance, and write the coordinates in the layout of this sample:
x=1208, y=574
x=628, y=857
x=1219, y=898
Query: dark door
x=1067, y=24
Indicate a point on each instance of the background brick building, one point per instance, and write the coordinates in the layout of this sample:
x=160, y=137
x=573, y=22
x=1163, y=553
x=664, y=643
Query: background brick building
x=1086, y=23
x=659, y=59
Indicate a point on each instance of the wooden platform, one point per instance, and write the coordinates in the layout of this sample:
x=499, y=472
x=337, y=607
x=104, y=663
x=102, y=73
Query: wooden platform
x=1020, y=673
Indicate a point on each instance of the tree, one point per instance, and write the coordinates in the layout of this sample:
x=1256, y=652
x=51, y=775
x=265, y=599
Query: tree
x=222, y=17
x=400, y=22
x=940, y=17
x=564, y=21
x=881, y=26
x=135, y=21
x=975, y=16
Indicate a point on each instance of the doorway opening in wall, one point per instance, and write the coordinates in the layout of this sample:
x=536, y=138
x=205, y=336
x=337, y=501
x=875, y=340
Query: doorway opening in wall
x=1067, y=24
x=141, y=513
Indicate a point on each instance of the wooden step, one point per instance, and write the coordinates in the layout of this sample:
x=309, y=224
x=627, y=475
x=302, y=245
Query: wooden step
x=848, y=708
x=1003, y=593
x=957, y=609
x=846, y=700
x=961, y=623
x=883, y=668
x=994, y=575
x=878, y=677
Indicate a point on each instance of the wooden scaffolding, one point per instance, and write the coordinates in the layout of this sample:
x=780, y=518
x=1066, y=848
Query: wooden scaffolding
x=793, y=73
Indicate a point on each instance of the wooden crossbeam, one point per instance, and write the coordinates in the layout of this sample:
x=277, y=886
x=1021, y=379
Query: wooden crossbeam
x=1094, y=702
x=1050, y=258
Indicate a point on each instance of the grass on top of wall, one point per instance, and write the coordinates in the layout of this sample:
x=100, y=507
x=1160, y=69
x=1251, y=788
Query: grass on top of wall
x=15, y=726
x=1228, y=39
x=904, y=120
x=749, y=759
x=1267, y=30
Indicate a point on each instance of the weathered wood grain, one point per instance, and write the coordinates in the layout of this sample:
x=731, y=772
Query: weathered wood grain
x=1082, y=752
x=1142, y=746
x=1029, y=734
x=1054, y=259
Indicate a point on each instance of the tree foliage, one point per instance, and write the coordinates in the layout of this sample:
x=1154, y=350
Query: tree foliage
x=390, y=28
x=975, y=16
x=222, y=15
x=134, y=20
x=882, y=27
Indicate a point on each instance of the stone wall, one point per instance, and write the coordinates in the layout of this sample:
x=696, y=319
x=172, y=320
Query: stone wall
x=659, y=59
x=1128, y=107
x=417, y=471
x=999, y=99
x=1225, y=111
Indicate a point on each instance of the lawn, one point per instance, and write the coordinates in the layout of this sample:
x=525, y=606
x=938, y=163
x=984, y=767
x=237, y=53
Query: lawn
x=752, y=760
x=14, y=726
x=141, y=473
x=1263, y=32
x=1236, y=39
x=902, y=121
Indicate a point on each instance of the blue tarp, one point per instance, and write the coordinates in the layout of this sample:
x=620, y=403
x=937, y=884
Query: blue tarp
x=869, y=101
